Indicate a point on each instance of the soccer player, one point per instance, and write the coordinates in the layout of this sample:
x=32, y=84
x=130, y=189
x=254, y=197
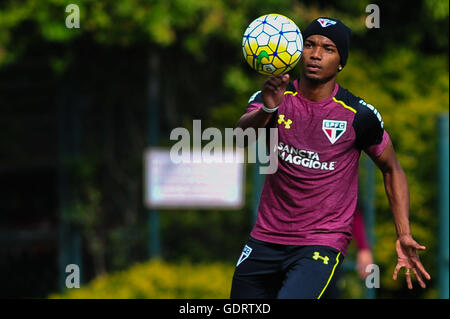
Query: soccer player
x=307, y=206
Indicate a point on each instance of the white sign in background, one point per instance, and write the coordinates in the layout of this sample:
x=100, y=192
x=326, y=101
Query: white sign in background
x=193, y=185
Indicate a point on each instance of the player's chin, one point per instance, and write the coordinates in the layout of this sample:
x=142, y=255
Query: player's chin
x=317, y=76
x=313, y=76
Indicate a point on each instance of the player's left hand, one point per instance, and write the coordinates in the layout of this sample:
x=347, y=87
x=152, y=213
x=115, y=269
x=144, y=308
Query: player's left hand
x=363, y=259
x=406, y=248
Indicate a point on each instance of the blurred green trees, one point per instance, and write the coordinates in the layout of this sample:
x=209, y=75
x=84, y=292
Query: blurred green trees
x=401, y=68
x=157, y=279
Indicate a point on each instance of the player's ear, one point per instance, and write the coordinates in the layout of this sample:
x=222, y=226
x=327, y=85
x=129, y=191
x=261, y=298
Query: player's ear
x=340, y=68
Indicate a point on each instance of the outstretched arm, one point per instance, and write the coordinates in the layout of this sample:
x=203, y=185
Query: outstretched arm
x=272, y=95
x=397, y=191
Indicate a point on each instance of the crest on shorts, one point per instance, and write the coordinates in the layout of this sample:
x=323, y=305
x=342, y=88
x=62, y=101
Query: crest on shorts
x=334, y=129
x=325, y=22
x=244, y=255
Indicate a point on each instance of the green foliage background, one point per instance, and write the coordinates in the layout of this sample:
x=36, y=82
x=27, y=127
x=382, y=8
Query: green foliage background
x=401, y=68
x=157, y=279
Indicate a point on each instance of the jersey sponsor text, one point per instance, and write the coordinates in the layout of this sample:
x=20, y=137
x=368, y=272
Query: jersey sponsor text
x=305, y=158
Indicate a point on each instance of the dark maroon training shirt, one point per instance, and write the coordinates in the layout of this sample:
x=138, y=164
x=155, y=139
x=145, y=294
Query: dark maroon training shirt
x=312, y=197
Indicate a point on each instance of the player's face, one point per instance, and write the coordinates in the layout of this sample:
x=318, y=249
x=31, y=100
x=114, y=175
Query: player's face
x=320, y=58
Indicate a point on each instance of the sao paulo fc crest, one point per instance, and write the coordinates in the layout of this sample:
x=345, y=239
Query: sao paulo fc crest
x=325, y=22
x=245, y=253
x=334, y=129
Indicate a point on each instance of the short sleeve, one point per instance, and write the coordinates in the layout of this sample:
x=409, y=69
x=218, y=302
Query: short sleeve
x=377, y=149
x=368, y=126
x=255, y=102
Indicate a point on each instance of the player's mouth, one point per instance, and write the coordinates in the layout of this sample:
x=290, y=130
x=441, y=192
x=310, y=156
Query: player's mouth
x=313, y=67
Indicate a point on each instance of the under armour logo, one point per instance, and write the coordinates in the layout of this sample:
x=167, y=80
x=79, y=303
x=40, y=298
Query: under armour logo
x=316, y=256
x=287, y=124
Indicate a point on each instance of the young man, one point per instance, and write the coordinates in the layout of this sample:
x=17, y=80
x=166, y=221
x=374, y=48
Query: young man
x=306, y=209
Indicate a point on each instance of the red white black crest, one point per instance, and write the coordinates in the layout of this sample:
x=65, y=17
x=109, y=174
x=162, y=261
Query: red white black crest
x=334, y=129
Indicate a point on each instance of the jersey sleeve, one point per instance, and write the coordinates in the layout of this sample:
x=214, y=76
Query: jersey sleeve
x=377, y=149
x=255, y=102
x=368, y=126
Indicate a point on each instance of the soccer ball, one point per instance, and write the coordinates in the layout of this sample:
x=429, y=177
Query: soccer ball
x=272, y=44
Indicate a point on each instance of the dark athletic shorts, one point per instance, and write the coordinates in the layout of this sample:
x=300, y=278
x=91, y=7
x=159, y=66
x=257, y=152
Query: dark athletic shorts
x=267, y=270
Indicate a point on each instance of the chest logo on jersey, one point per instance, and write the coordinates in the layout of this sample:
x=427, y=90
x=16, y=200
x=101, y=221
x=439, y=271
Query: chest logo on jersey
x=287, y=123
x=334, y=129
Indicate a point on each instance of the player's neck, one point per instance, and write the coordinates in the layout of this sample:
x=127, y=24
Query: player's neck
x=316, y=91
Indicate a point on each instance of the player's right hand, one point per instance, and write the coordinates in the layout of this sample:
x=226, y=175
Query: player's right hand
x=273, y=90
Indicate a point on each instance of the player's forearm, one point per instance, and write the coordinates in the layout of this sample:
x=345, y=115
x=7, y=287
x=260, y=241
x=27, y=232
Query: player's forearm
x=397, y=190
x=255, y=119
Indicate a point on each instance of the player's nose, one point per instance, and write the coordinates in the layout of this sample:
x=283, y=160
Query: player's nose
x=316, y=53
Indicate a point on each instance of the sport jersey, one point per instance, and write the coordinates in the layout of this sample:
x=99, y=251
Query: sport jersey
x=312, y=196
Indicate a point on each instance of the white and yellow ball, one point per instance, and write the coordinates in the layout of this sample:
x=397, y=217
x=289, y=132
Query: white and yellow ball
x=272, y=44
